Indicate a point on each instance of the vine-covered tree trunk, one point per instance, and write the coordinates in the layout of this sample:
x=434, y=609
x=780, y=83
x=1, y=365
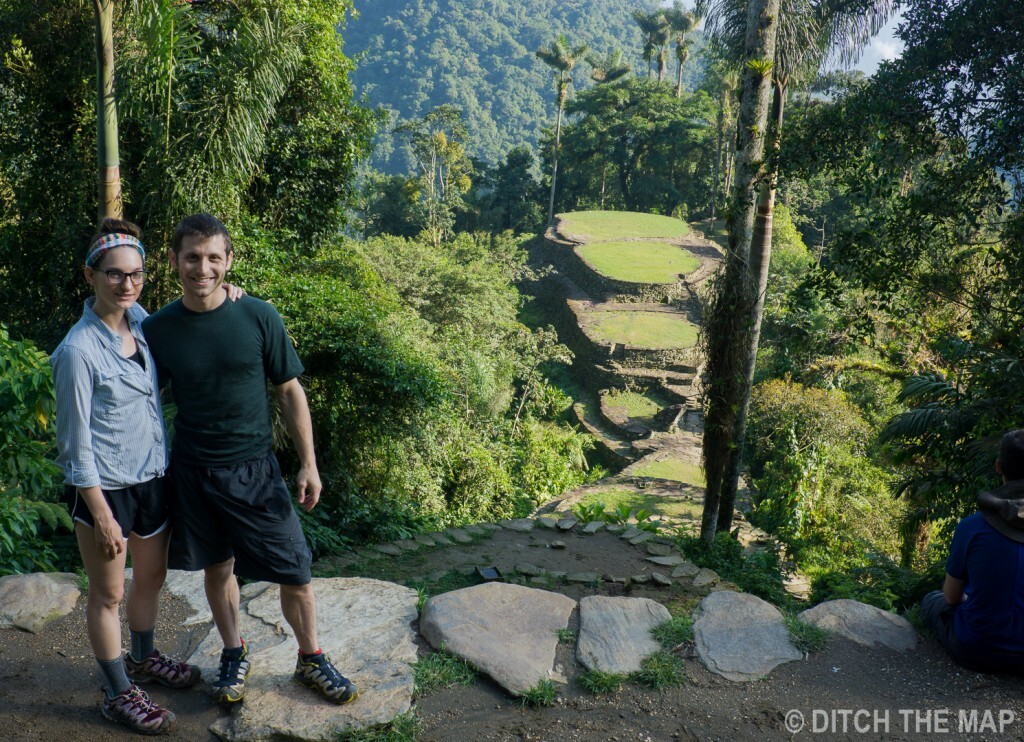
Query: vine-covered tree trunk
x=760, y=258
x=554, y=155
x=109, y=165
x=729, y=323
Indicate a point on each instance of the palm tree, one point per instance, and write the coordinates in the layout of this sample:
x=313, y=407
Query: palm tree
x=655, y=28
x=728, y=83
x=809, y=31
x=561, y=57
x=681, y=23
x=609, y=68
x=108, y=157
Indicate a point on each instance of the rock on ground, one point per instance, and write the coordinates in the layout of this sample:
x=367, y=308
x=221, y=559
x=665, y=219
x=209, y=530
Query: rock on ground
x=366, y=628
x=505, y=631
x=741, y=637
x=862, y=623
x=615, y=633
x=32, y=602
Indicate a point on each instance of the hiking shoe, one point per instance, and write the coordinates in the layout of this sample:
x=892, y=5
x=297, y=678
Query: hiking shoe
x=134, y=709
x=229, y=687
x=162, y=669
x=319, y=674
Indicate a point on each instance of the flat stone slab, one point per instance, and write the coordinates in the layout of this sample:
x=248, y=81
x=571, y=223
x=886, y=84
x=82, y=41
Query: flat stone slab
x=615, y=633
x=407, y=544
x=439, y=538
x=505, y=631
x=492, y=527
x=705, y=577
x=594, y=526
x=366, y=627
x=459, y=536
x=549, y=523
x=530, y=570
x=519, y=524
x=656, y=549
x=583, y=577
x=616, y=528
x=640, y=538
x=631, y=533
x=741, y=637
x=567, y=524
x=640, y=579
x=424, y=540
x=557, y=544
x=389, y=549
x=666, y=561
x=32, y=602
x=686, y=569
x=659, y=579
x=862, y=623
x=476, y=530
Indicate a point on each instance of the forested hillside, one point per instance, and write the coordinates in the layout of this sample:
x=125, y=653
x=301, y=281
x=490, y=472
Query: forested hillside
x=478, y=55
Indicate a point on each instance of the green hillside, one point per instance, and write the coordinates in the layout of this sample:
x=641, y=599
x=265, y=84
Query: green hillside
x=617, y=225
x=479, y=55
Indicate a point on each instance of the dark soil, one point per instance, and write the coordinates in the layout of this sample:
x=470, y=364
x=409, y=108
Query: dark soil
x=49, y=684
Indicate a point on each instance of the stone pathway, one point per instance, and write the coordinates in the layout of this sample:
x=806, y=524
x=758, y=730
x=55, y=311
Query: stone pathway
x=507, y=631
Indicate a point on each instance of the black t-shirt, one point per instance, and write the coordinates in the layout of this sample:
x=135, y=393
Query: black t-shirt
x=218, y=364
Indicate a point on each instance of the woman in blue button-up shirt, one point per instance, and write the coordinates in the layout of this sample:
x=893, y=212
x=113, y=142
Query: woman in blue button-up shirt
x=112, y=448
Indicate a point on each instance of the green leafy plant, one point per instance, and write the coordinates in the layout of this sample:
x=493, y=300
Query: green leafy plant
x=660, y=670
x=544, y=693
x=587, y=513
x=599, y=681
x=805, y=637
x=441, y=670
x=677, y=630
x=566, y=636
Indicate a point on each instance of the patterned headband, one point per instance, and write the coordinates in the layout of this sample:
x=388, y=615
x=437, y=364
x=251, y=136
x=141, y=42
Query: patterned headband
x=109, y=242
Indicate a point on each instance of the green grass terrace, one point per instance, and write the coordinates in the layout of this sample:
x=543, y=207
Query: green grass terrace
x=639, y=262
x=597, y=226
x=652, y=330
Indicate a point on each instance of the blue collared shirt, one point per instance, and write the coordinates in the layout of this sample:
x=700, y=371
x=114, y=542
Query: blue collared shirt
x=110, y=430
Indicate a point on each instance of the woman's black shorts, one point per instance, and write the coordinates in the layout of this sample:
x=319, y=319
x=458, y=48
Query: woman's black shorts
x=141, y=509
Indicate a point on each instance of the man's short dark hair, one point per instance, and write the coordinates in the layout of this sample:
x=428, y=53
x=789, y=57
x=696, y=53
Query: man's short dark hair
x=1011, y=455
x=199, y=225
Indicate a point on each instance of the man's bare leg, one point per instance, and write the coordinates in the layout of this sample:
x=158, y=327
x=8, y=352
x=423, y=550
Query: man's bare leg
x=222, y=595
x=298, y=604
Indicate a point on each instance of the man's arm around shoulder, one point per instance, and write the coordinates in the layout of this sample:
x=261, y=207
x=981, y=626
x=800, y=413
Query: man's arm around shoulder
x=295, y=410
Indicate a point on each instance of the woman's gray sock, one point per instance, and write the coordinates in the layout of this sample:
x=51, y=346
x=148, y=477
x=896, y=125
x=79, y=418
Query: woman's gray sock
x=117, y=678
x=142, y=644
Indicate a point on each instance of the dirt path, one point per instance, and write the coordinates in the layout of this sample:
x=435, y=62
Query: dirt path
x=49, y=684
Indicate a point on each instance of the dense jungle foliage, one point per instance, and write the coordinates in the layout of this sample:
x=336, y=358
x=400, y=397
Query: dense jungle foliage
x=478, y=55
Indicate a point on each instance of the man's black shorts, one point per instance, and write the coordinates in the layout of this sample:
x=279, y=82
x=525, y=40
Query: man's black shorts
x=242, y=511
x=141, y=509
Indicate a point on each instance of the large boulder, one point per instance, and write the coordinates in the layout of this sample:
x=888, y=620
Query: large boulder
x=615, y=633
x=862, y=623
x=741, y=637
x=32, y=602
x=505, y=631
x=366, y=628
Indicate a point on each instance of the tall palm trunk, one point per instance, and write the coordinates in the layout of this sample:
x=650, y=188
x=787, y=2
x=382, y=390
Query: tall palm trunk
x=718, y=160
x=731, y=321
x=760, y=258
x=554, y=154
x=108, y=158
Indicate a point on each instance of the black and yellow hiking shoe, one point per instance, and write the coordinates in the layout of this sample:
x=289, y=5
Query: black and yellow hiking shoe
x=317, y=672
x=229, y=687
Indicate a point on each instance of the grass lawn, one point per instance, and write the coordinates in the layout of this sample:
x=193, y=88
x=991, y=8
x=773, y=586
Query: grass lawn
x=667, y=506
x=638, y=406
x=639, y=262
x=674, y=469
x=655, y=330
x=612, y=225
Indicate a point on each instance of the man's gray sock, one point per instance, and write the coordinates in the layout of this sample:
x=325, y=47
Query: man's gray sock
x=116, y=677
x=142, y=644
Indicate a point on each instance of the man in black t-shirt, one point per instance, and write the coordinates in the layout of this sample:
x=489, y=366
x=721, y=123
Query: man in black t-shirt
x=231, y=508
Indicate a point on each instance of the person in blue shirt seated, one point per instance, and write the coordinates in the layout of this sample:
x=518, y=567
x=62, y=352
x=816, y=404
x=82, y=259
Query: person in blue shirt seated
x=978, y=615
